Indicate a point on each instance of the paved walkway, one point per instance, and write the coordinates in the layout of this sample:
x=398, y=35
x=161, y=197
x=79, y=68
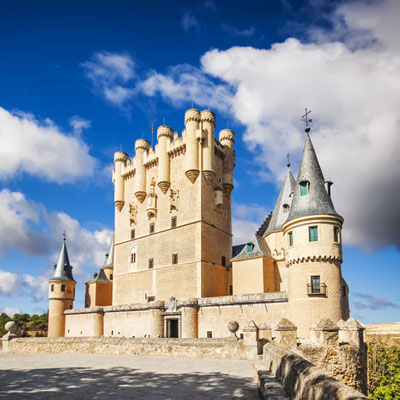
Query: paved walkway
x=91, y=376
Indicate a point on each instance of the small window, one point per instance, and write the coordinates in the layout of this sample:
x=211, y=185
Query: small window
x=132, y=234
x=52, y=288
x=315, y=284
x=111, y=277
x=336, y=234
x=304, y=187
x=313, y=233
x=87, y=305
x=151, y=298
x=209, y=334
x=286, y=208
x=175, y=258
x=132, y=259
x=250, y=247
x=344, y=290
x=290, y=238
x=151, y=263
x=68, y=330
x=223, y=261
x=230, y=290
x=173, y=222
x=63, y=288
x=152, y=228
x=70, y=307
x=112, y=333
x=65, y=268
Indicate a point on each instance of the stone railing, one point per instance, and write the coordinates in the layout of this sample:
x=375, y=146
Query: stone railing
x=302, y=380
x=229, y=348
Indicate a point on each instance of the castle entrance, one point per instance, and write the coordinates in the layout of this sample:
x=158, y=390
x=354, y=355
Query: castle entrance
x=172, y=330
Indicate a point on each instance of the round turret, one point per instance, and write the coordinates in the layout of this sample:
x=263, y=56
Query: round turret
x=120, y=159
x=192, y=115
x=208, y=125
x=141, y=147
x=164, y=136
x=227, y=137
x=141, y=144
x=120, y=156
x=166, y=131
x=192, y=124
x=208, y=116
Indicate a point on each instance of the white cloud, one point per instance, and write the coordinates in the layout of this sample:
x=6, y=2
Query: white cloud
x=352, y=87
x=189, y=21
x=19, y=229
x=79, y=124
x=11, y=311
x=234, y=31
x=111, y=74
x=9, y=283
x=40, y=149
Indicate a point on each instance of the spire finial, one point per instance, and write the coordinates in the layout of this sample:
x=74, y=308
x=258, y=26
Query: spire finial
x=65, y=235
x=288, y=160
x=305, y=119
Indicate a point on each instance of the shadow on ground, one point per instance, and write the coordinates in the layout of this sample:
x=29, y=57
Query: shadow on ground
x=121, y=383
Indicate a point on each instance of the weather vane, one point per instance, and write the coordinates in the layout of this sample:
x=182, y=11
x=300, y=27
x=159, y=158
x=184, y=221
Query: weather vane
x=65, y=235
x=307, y=120
x=288, y=160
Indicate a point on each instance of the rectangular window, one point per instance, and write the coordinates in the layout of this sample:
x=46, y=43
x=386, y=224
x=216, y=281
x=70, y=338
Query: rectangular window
x=132, y=234
x=151, y=298
x=303, y=188
x=313, y=233
x=230, y=290
x=152, y=228
x=111, y=277
x=223, y=261
x=151, y=263
x=209, y=334
x=315, y=284
x=250, y=247
x=63, y=288
x=175, y=258
x=132, y=259
x=173, y=222
x=336, y=233
x=344, y=290
x=52, y=288
x=290, y=238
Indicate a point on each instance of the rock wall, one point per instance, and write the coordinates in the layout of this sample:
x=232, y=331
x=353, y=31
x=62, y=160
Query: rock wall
x=190, y=348
x=304, y=381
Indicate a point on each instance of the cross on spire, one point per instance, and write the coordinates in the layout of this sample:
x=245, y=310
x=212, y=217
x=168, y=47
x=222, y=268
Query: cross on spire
x=65, y=235
x=288, y=160
x=305, y=119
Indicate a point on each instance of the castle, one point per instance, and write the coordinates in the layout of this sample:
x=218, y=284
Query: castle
x=171, y=270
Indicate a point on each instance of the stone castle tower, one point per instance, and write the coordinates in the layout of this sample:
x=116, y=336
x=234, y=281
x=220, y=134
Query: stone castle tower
x=173, y=214
x=61, y=293
x=171, y=270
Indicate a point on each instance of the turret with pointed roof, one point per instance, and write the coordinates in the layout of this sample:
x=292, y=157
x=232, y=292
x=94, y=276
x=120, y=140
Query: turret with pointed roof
x=282, y=207
x=314, y=199
x=63, y=269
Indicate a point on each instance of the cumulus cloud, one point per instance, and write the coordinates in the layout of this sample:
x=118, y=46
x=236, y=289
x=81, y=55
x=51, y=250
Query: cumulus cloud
x=111, y=75
x=350, y=85
x=12, y=284
x=19, y=229
x=234, y=31
x=39, y=148
x=11, y=311
x=373, y=303
x=79, y=124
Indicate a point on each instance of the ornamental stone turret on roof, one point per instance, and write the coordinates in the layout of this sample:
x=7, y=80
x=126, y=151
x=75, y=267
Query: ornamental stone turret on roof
x=255, y=247
x=63, y=269
x=100, y=277
x=282, y=207
x=316, y=200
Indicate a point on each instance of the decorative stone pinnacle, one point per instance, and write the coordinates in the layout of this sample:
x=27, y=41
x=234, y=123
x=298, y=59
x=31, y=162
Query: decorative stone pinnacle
x=192, y=115
x=142, y=144
x=164, y=130
x=120, y=156
x=208, y=116
x=227, y=134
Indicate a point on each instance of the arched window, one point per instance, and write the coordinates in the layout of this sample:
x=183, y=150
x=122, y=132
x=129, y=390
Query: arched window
x=304, y=188
x=286, y=208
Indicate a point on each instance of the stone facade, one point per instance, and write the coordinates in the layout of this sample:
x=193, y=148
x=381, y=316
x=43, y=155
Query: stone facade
x=171, y=270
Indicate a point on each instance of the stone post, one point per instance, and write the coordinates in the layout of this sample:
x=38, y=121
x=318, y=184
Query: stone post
x=285, y=334
x=157, y=320
x=189, y=318
x=11, y=327
x=265, y=332
x=251, y=336
x=352, y=332
x=324, y=332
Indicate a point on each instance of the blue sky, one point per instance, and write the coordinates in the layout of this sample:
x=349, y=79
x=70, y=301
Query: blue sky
x=80, y=80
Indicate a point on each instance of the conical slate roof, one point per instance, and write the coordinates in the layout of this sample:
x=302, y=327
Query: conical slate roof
x=317, y=201
x=100, y=277
x=109, y=261
x=259, y=249
x=280, y=214
x=63, y=269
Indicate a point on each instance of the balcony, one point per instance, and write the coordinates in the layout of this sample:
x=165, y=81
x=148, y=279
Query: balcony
x=316, y=291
